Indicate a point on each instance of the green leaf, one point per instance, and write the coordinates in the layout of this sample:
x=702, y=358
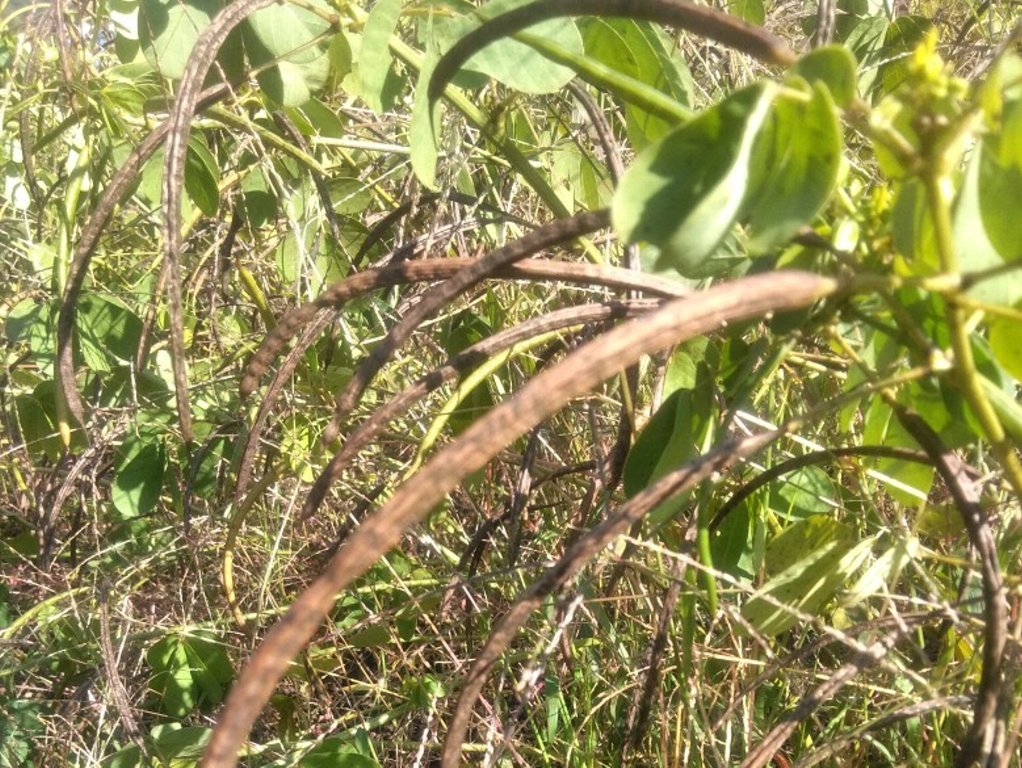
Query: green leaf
x=108, y=332
x=732, y=544
x=374, y=60
x=37, y=418
x=912, y=229
x=901, y=38
x=972, y=242
x=795, y=167
x=630, y=90
x=834, y=66
x=684, y=193
x=168, y=29
x=640, y=51
x=316, y=118
x=667, y=441
x=514, y=63
x=672, y=436
x=910, y=481
x=34, y=323
x=202, y=177
x=750, y=10
x=336, y=752
x=21, y=723
x=808, y=491
x=805, y=536
x=190, y=671
x=138, y=476
x=1006, y=407
x=810, y=577
x=1006, y=345
x=1000, y=183
x=293, y=42
x=424, y=129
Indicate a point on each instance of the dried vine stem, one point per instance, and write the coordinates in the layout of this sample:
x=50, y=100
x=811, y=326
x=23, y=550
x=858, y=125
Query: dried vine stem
x=629, y=513
x=554, y=233
x=984, y=742
x=495, y=344
x=469, y=273
x=547, y=393
x=701, y=20
x=112, y=195
x=400, y=403
x=180, y=126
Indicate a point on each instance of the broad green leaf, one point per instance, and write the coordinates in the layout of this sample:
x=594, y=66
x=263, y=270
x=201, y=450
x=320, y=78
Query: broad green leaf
x=108, y=332
x=682, y=368
x=374, y=60
x=168, y=29
x=910, y=481
x=835, y=67
x=912, y=228
x=1006, y=345
x=684, y=193
x=190, y=671
x=732, y=543
x=466, y=329
x=171, y=742
x=172, y=681
x=641, y=51
x=202, y=177
x=1000, y=183
x=671, y=437
x=866, y=40
x=668, y=440
x=972, y=242
x=630, y=90
x=34, y=323
x=336, y=752
x=804, y=537
x=808, y=491
x=807, y=584
x=514, y=63
x=424, y=129
x=1007, y=408
x=901, y=38
x=883, y=573
x=316, y=118
x=37, y=426
x=22, y=726
x=795, y=167
x=138, y=476
x=292, y=42
x=750, y=10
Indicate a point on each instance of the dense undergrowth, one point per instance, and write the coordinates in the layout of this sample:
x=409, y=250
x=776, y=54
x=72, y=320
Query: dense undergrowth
x=638, y=390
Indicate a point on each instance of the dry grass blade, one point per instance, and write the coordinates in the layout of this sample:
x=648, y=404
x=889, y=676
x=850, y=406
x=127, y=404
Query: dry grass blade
x=546, y=394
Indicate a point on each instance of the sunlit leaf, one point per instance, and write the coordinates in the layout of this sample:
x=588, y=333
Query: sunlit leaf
x=835, y=67
x=374, y=60
x=684, y=193
x=514, y=63
x=292, y=41
x=795, y=167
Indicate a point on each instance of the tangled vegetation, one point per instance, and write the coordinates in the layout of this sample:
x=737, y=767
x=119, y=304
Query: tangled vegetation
x=578, y=382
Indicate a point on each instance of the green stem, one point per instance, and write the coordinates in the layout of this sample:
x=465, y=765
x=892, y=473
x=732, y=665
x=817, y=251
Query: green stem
x=965, y=376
